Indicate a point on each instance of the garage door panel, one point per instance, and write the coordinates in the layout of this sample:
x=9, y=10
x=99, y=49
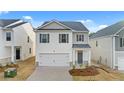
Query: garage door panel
x=50, y=59
x=121, y=63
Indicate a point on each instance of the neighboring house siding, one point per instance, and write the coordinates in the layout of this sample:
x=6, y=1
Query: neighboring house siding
x=4, y=51
x=86, y=37
x=20, y=39
x=104, y=49
x=117, y=41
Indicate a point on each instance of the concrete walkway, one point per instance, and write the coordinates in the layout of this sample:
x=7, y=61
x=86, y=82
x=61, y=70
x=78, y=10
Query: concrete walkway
x=50, y=74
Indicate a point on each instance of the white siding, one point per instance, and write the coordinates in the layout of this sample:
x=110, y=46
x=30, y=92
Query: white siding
x=54, y=26
x=5, y=52
x=54, y=46
x=20, y=39
x=104, y=49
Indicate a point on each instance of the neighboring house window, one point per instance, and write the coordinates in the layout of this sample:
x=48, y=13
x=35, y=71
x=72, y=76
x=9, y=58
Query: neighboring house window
x=96, y=43
x=29, y=50
x=121, y=42
x=80, y=38
x=44, y=38
x=63, y=38
x=28, y=39
x=8, y=36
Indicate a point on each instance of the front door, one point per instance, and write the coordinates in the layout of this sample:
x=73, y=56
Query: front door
x=80, y=57
x=17, y=53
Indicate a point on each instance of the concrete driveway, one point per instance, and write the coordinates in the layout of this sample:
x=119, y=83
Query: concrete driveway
x=50, y=74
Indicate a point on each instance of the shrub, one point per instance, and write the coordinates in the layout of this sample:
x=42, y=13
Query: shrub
x=74, y=66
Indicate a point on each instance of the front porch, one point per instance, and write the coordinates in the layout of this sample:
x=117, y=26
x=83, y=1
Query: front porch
x=81, y=54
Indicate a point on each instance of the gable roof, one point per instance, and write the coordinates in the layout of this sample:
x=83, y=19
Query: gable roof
x=5, y=22
x=77, y=26
x=110, y=30
x=15, y=25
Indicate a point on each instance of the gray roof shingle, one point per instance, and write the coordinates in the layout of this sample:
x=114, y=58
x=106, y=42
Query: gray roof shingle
x=81, y=46
x=5, y=22
x=110, y=30
x=77, y=26
x=15, y=25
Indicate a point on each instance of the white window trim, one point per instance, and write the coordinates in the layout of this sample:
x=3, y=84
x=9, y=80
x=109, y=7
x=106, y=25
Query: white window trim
x=61, y=38
x=46, y=36
x=80, y=37
x=10, y=36
x=122, y=42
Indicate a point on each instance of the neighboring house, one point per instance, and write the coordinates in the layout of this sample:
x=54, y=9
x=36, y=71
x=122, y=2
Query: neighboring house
x=60, y=42
x=16, y=40
x=107, y=46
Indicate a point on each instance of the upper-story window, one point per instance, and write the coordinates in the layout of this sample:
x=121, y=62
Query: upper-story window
x=8, y=36
x=80, y=38
x=44, y=38
x=63, y=38
x=121, y=42
x=28, y=39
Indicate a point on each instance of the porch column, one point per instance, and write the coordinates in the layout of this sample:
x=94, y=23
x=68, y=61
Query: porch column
x=74, y=56
x=89, y=60
x=12, y=54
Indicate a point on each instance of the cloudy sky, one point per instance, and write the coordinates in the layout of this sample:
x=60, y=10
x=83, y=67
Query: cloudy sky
x=93, y=20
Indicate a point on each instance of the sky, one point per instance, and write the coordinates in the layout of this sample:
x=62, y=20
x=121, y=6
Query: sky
x=93, y=20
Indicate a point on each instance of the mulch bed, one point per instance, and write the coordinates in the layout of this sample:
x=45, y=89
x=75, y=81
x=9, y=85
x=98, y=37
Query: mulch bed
x=89, y=71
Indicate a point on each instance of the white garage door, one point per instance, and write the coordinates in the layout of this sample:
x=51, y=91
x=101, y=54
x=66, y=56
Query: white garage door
x=120, y=63
x=54, y=59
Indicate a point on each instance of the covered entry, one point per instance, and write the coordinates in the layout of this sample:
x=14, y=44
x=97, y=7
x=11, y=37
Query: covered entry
x=81, y=54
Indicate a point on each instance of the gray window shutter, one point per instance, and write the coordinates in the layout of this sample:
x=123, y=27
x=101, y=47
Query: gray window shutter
x=40, y=38
x=120, y=42
x=48, y=38
x=77, y=37
x=59, y=38
x=67, y=38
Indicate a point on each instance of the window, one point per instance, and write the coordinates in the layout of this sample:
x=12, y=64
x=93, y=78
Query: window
x=44, y=38
x=80, y=38
x=28, y=39
x=63, y=38
x=121, y=42
x=96, y=43
x=29, y=50
x=8, y=36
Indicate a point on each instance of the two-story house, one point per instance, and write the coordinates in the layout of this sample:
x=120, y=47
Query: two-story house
x=60, y=42
x=107, y=46
x=16, y=40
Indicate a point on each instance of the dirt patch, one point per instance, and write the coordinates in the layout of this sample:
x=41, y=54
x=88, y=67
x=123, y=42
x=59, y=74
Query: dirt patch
x=89, y=71
x=12, y=65
x=24, y=70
